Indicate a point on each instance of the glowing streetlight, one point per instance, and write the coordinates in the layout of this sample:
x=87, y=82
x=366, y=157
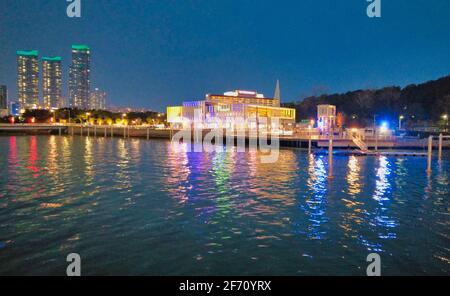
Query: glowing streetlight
x=400, y=118
x=384, y=127
x=445, y=117
x=54, y=115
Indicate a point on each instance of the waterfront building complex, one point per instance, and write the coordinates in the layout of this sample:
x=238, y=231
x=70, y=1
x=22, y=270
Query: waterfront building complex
x=28, y=78
x=51, y=82
x=97, y=100
x=79, y=77
x=239, y=108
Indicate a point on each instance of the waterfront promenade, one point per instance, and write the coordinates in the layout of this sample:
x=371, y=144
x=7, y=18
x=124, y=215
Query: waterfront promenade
x=293, y=141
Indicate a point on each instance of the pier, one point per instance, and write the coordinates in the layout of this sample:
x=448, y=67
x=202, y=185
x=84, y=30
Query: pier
x=397, y=146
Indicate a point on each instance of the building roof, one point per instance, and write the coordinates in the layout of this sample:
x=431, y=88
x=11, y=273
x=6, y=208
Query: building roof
x=51, y=58
x=80, y=47
x=27, y=53
x=241, y=96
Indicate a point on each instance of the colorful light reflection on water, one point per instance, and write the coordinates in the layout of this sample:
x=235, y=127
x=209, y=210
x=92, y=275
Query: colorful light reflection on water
x=151, y=207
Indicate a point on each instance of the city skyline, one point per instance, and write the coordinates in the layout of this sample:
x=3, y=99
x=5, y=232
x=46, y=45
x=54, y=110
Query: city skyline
x=39, y=81
x=172, y=56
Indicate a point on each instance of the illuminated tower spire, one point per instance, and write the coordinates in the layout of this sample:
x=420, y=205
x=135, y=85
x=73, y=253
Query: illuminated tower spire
x=277, y=94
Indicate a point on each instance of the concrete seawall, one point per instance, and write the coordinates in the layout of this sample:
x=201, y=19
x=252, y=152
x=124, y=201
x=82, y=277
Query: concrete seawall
x=151, y=133
x=117, y=131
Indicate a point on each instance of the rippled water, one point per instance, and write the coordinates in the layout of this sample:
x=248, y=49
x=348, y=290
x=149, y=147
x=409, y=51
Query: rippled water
x=150, y=208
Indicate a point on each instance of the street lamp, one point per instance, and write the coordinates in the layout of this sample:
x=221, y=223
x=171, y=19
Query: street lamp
x=54, y=115
x=445, y=117
x=375, y=124
x=87, y=117
x=401, y=117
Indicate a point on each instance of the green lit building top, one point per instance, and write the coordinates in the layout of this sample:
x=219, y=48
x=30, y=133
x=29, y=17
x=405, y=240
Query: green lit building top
x=27, y=53
x=80, y=47
x=52, y=59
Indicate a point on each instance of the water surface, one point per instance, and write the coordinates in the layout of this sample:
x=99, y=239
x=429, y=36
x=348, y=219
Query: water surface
x=137, y=207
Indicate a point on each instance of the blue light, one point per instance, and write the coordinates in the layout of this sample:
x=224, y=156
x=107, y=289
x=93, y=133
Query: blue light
x=384, y=127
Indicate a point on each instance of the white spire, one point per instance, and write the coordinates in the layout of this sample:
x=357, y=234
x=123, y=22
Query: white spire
x=277, y=94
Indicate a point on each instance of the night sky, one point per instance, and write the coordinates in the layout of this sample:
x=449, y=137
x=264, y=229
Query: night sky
x=157, y=53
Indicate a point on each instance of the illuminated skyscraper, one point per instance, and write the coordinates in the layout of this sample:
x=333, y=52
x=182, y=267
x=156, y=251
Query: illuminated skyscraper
x=97, y=100
x=51, y=82
x=3, y=97
x=79, y=82
x=28, y=78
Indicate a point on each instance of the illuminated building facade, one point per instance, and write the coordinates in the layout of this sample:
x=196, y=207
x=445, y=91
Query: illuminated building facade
x=97, y=100
x=51, y=82
x=240, y=109
x=79, y=77
x=326, y=117
x=28, y=78
x=15, y=108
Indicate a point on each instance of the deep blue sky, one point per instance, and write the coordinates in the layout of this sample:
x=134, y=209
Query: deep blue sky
x=153, y=53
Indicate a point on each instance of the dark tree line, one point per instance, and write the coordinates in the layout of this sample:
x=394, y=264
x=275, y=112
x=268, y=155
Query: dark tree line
x=417, y=103
x=93, y=116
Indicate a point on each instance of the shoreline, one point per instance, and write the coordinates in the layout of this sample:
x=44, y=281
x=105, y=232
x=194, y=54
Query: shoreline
x=392, y=144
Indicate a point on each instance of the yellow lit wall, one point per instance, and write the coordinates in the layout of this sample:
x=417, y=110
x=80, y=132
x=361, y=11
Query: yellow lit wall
x=269, y=112
x=243, y=100
x=175, y=114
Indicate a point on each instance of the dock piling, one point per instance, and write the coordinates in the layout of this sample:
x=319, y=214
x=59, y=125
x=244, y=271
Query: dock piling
x=148, y=133
x=309, y=144
x=440, y=147
x=430, y=153
x=330, y=158
x=376, y=140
